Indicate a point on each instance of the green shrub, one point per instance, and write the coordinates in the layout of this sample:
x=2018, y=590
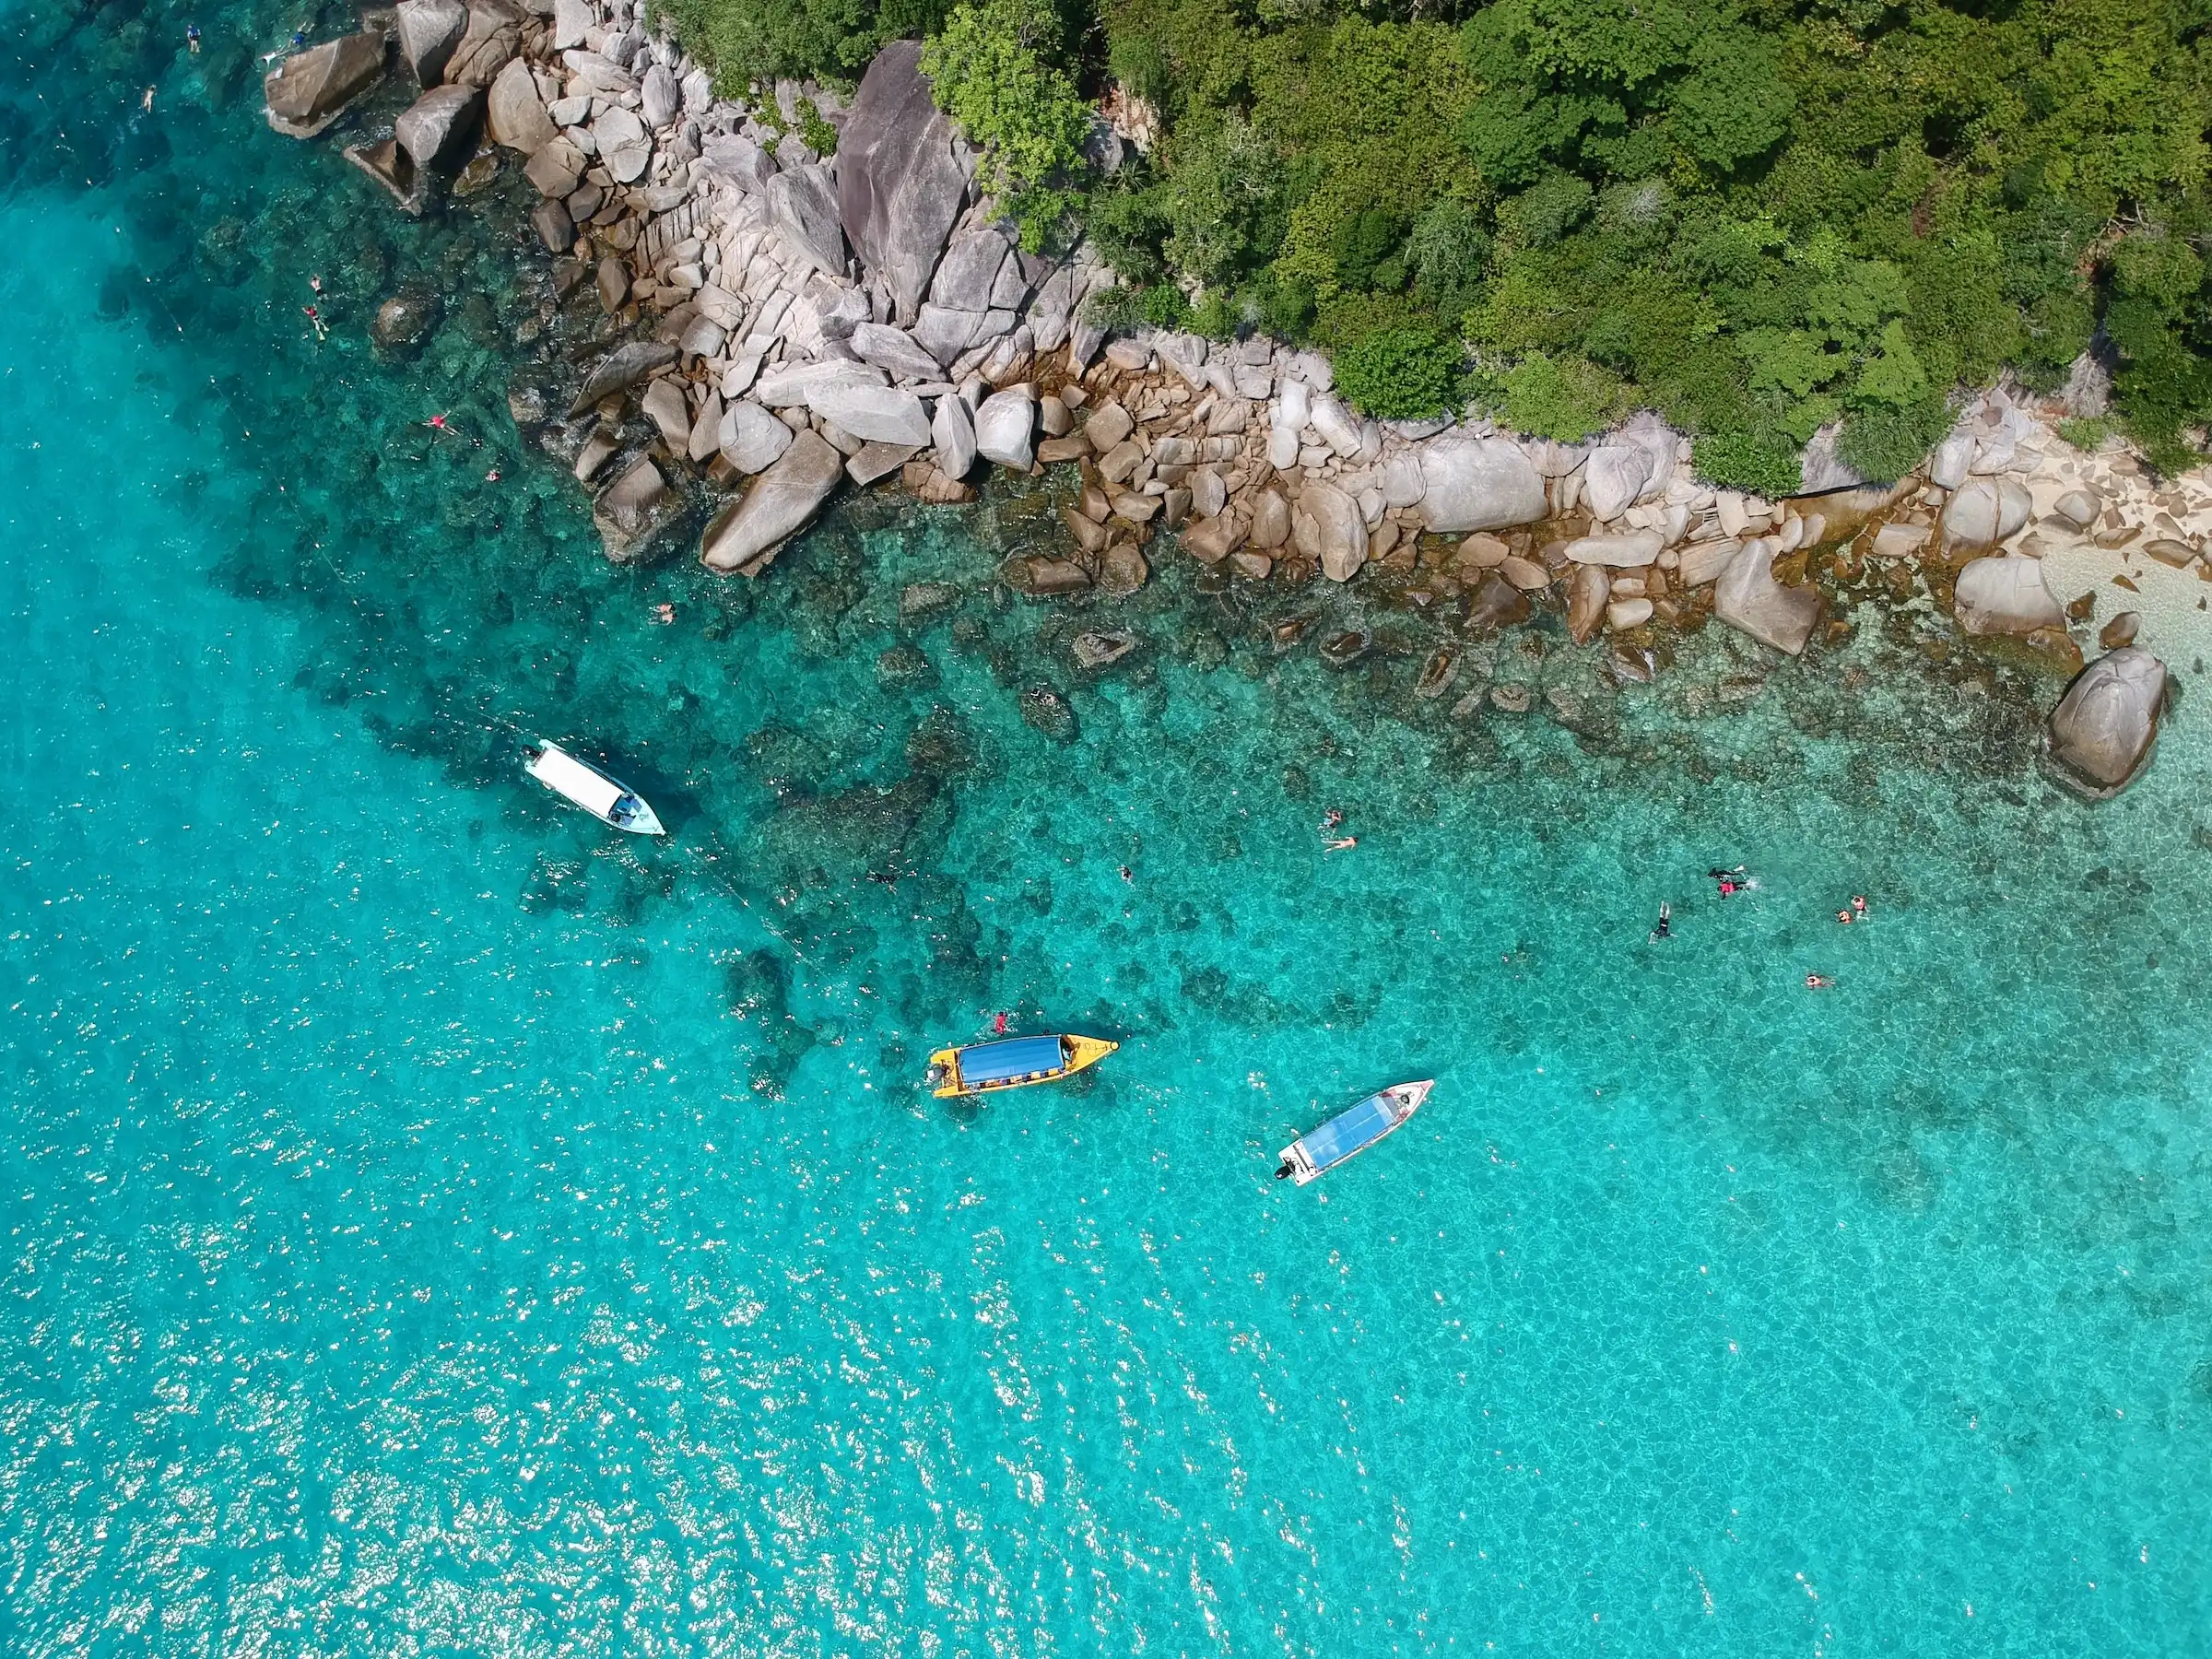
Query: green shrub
x=1740, y=461
x=1568, y=398
x=746, y=41
x=989, y=71
x=1400, y=375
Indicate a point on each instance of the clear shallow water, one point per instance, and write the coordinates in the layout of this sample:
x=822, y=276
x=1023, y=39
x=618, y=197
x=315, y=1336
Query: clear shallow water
x=433, y=1229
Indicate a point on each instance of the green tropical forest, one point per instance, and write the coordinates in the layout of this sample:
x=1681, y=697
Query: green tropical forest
x=1757, y=218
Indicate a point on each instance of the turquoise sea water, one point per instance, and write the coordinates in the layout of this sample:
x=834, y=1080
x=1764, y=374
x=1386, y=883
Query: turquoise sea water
x=433, y=1228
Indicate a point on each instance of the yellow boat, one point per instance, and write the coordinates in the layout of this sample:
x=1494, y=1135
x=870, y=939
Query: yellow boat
x=1012, y=1063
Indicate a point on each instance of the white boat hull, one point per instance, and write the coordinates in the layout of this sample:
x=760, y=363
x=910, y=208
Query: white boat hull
x=1352, y=1131
x=585, y=786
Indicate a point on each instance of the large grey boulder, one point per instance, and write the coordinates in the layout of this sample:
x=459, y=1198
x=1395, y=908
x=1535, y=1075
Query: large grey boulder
x=1339, y=531
x=1627, y=552
x=1477, y=484
x=1615, y=474
x=2005, y=595
x=514, y=116
x=970, y=270
x=439, y=129
x=739, y=160
x=2105, y=727
x=1821, y=468
x=625, y=146
x=311, y=89
x=804, y=205
x=1659, y=443
x=954, y=434
x=745, y=536
x=1055, y=308
x=623, y=369
x=874, y=414
x=572, y=20
x=1339, y=428
x=660, y=96
x=902, y=176
x=804, y=382
x=428, y=32
x=892, y=350
x=1749, y=600
x=664, y=406
x=1984, y=510
x=945, y=334
x=1004, y=425
x=494, y=35
x=556, y=167
x=750, y=439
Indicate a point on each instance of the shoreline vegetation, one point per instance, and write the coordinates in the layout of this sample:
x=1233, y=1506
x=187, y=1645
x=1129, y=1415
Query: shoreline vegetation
x=776, y=295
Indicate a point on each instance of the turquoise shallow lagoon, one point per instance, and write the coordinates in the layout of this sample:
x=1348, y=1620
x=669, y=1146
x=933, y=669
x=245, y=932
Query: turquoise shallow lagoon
x=432, y=1229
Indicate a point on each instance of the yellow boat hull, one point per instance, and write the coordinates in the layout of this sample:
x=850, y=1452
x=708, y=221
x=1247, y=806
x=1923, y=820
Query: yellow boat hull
x=1078, y=1053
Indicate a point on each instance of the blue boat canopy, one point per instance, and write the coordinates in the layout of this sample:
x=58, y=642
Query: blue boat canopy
x=1341, y=1137
x=1016, y=1057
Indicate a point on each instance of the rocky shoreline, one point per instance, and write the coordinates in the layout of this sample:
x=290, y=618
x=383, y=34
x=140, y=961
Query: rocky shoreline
x=762, y=326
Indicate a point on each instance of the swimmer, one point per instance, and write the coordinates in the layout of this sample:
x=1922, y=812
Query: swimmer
x=1858, y=904
x=1665, y=929
x=1843, y=916
x=191, y=39
x=1340, y=843
x=663, y=613
x=147, y=104
x=316, y=283
x=436, y=423
x=1127, y=873
x=322, y=332
x=1814, y=981
x=1330, y=820
x=998, y=1025
x=493, y=477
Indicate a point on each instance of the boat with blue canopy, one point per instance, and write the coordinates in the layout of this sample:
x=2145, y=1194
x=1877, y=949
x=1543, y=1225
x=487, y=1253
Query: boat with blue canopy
x=1315, y=1153
x=1013, y=1063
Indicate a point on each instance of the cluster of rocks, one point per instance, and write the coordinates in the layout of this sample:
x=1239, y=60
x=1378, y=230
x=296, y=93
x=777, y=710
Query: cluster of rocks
x=785, y=323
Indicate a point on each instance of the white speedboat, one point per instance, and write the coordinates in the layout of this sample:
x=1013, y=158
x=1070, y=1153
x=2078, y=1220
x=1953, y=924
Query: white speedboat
x=613, y=803
x=1316, y=1152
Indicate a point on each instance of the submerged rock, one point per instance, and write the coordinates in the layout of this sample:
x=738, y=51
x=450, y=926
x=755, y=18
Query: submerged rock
x=1038, y=577
x=903, y=668
x=1044, y=710
x=405, y=320
x=2105, y=728
x=1102, y=649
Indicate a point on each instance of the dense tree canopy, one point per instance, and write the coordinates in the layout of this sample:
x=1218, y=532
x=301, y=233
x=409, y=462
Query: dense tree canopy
x=1761, y=217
